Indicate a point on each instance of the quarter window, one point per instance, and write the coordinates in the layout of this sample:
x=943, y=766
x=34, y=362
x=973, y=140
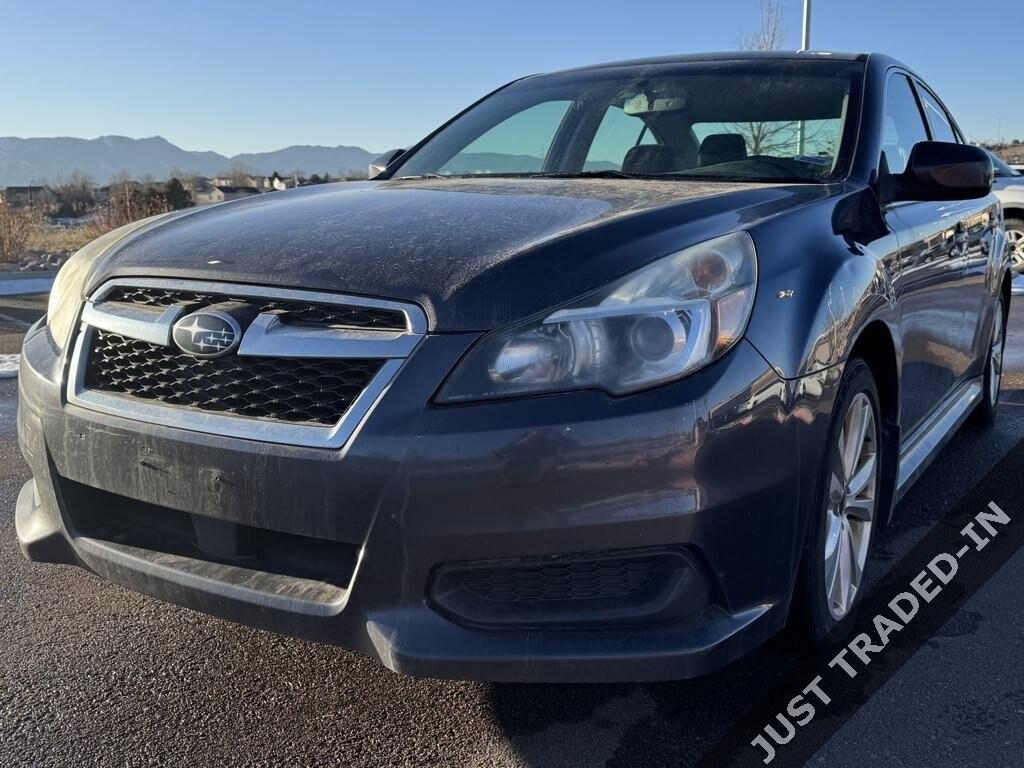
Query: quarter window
x=902, y=125
x=942, y=127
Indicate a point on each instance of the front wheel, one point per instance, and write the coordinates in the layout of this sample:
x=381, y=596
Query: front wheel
x=847, y=508
x=993, y=377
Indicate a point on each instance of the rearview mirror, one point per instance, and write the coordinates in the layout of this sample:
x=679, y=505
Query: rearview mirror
x=379, y=164
x=939, y=170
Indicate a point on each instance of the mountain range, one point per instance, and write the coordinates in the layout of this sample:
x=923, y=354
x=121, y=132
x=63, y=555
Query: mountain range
x=33, y=161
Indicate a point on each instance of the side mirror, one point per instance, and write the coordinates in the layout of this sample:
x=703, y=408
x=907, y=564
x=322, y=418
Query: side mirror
x=379, y=165
x=939, y=170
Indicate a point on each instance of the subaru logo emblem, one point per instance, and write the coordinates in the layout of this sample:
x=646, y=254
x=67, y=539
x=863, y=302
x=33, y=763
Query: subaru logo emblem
x=207, y=334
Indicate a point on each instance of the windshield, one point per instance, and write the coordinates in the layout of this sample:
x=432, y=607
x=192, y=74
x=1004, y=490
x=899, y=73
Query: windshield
x=752, y=120
x=1003, y=169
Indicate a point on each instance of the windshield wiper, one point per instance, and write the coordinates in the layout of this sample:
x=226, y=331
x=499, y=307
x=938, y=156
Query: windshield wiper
x=422, y=176
x=738, y=179
x=606, y=174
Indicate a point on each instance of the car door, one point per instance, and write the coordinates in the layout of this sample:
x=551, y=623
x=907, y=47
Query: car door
x=973, y=242
x=930, y=271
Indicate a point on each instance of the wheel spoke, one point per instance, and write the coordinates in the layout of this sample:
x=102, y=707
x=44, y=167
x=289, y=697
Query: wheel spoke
x=844, y=571
x=832, y=563
x=832, y=538
x=862, y=477
x=856, y=426
x=997, y=343
x=861, y=510
x=834, y=589
x=856, y=566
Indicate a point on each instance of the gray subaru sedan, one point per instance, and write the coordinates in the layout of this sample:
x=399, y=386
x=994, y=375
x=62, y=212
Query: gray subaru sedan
x=611, y=377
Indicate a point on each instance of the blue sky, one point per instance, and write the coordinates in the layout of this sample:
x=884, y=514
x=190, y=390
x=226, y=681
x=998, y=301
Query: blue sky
x=255, y=75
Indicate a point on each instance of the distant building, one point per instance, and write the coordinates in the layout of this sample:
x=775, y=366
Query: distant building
x=17, y=197
x=220, y=193
x=262, y=183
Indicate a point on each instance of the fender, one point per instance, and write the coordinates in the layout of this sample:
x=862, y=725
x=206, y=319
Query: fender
x=816, y=293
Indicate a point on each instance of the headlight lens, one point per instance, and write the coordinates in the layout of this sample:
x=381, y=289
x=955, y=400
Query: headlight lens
x=658, y=324
x=66, y=294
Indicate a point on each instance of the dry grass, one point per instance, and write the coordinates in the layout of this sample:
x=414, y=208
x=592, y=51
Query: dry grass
x=16, y=227
x=125, y=206
x=49, y=239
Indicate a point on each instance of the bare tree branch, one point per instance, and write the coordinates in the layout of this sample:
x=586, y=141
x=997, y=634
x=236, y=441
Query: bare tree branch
x=771, y=33
x=773, y=138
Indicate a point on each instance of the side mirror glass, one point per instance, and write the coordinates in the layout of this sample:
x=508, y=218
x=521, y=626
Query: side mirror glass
x=939, y=170
x=379, y=164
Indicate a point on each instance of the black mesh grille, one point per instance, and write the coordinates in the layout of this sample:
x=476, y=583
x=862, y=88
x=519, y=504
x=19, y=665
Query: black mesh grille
x=286, y=389
x=561, y=581
x=295, y=312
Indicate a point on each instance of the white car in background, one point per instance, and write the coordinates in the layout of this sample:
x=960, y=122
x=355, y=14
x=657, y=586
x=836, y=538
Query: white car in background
x=1009, y=188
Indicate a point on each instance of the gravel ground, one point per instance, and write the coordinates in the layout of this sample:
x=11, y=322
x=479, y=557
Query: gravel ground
x=92, y=674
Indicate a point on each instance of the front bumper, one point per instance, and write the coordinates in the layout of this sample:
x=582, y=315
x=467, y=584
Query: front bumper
x=716, y=468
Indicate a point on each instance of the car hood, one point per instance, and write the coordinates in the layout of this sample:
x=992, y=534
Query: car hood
x=474, y=253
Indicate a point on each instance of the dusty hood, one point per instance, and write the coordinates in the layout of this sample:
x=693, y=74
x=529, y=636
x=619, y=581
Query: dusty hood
x=474, y=253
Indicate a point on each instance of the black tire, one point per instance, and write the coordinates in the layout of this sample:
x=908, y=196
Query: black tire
x=985, y=411
x=815, y=623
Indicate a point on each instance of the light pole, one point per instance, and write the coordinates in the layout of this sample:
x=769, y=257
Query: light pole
x=805, y=38
x=805, y=45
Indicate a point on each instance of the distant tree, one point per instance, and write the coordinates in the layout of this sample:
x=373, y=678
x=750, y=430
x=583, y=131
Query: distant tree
x=75, y=195
x=128, y=202
x=315, y=179
x=771, y=32
x=177, y=196
x=189, y=180
x=768, y=138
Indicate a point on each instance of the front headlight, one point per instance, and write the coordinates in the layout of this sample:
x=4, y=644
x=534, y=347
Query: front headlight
x=657, y=324
x=66, y=294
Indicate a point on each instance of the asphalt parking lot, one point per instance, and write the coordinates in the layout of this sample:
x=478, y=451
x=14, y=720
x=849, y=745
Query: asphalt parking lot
x=92, y=674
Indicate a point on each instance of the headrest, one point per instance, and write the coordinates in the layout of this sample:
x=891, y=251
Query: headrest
x=649, y=159
x=722, y=148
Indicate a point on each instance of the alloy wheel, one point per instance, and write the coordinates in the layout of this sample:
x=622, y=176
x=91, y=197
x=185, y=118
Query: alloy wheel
x=850, y=512
x=1015, y=237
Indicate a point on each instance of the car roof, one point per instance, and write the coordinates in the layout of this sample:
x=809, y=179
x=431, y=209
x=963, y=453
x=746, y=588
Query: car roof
x=728, y=56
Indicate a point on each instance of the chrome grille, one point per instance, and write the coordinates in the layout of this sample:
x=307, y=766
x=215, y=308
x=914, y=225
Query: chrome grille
x=298, y=312
x=293, y=390
x=307, y=370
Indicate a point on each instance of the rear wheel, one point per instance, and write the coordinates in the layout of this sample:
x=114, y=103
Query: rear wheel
x=993, y=377
x=844, y=517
